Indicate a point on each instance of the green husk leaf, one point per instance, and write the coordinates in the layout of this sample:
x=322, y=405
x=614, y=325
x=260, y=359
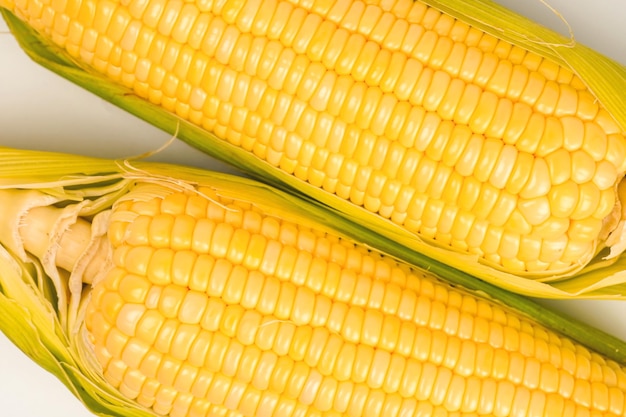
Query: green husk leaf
x=605, y=78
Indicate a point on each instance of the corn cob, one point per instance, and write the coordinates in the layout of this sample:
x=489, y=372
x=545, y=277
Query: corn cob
x=472, y=142
x=208, y=295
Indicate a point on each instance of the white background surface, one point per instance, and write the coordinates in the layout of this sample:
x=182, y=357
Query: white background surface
x=39, y=110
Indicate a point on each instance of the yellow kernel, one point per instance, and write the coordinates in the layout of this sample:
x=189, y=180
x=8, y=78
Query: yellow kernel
x=552, y=138
x=407, y=79
x=559, y=166
x=467, y=162
x=486, y=202
x=563, y=198
x=616, y=151
x=605, y=175
x=518, y=79
x=588, y=105
x=595, y=142
x=567, y=102
x=535, y=86
x=492, y=239
x=606, y=203
x=531, y=136
x=471, y=62
x=518, y=122
x=585, y=229
x=536, y=210
x=335, y=46
x=384, y=111
x=484, y=113
x=547, y=101
x=367, y=109
x=448, y=104
x=583, y=167
x=573, y=133
x=395, y=34
x=488, y=158
x=552, y=249
x=538, y=183
x=436, y=90
x=501, y=118
x=422, y=85
x=503, y=168
x=425, y=47
x=467, y=104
